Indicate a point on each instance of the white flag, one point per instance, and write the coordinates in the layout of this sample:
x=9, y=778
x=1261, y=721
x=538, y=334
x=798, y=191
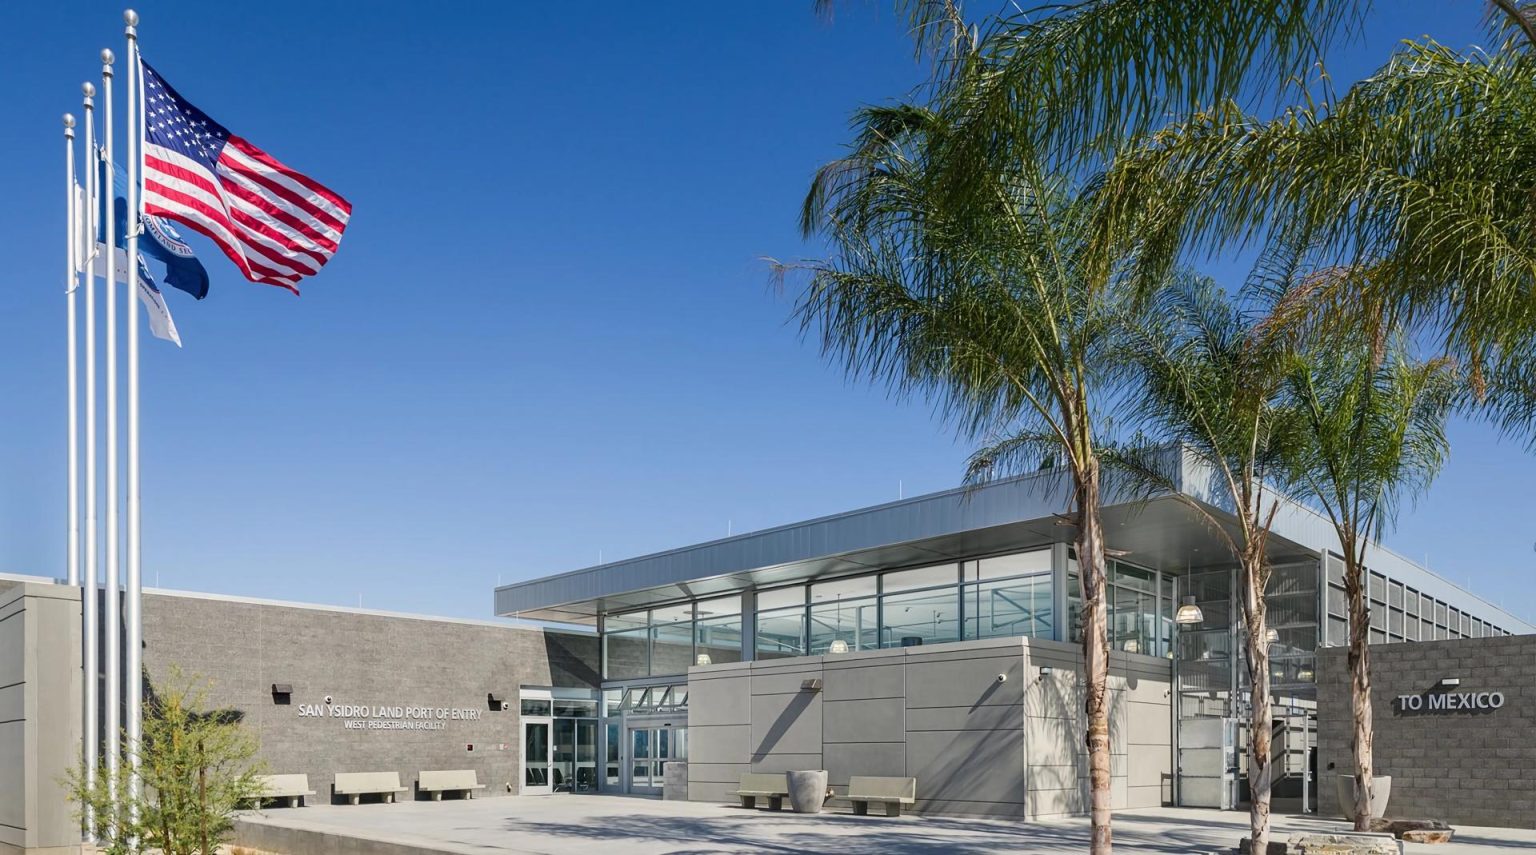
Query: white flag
x=161, y=325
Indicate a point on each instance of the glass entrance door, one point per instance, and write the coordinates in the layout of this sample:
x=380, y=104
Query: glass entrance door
x=649, y=750
x=536, y=765
x=575, y=756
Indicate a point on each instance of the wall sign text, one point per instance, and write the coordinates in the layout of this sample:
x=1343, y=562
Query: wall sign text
x=1449, y=702
x=390, y=717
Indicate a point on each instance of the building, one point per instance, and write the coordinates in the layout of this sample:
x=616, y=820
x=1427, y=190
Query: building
x=934, y=637
x=910, y=613
x=324, y=690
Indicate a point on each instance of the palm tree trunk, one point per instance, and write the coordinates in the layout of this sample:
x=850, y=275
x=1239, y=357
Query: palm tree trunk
x=1260, y=721
x=1360, y=688
x=1090, y=561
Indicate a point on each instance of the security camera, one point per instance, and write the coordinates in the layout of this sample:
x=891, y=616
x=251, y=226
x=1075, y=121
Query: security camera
x=1002, y=678
x=327, y=700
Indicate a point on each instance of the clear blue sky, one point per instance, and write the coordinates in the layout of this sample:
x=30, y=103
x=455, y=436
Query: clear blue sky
x=548, y=334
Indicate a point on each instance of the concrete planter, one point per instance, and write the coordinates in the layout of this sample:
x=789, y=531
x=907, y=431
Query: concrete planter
x=1381, y=792
x=807, y=790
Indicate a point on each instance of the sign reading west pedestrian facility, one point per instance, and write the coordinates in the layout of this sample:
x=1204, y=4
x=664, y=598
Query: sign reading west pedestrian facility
x=386, y=717
x=1449, y=702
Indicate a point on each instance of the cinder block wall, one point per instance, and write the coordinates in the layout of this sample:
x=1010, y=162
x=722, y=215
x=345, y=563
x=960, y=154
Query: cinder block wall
x=40, y=719
x=1473, y=767
x=244, y=647
x=977, y=746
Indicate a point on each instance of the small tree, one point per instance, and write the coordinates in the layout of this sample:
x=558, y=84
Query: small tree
x=198, y=767
x=1212, y=372
x=1373, y=420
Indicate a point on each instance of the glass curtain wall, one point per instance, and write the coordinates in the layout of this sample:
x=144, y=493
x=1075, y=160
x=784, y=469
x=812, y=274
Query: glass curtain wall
x=1141, y=606
x=999, y=597
x=1009, y=596
x=666, y=641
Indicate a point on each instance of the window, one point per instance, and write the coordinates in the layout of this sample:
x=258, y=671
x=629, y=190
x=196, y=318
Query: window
x=843, y=610
x=1133, y=609
x=717, y=632
x=912, y=618
x=781, y=622
x=1378, y=588
x=1009, y=566
x=1010, y=607
x=781, y=633
x=921, y=577
x=627, y=654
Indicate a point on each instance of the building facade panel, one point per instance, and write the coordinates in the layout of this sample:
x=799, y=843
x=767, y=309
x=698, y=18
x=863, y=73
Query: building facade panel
x=369, y=692
x=1451, y=752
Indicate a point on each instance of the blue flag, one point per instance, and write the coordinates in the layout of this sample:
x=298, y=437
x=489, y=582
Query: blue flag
x=159, y=241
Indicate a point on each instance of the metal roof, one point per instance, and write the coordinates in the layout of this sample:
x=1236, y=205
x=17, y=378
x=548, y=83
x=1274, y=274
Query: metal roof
x=1158, y=531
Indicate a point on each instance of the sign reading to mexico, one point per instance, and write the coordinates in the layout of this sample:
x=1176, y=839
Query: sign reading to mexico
x=1449, y=701
x=389, y=717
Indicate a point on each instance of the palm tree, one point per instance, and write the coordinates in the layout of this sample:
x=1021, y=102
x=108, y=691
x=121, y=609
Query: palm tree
x=1373, y=423
x=1419, y=174
x=988, y=303
x=1212, y=383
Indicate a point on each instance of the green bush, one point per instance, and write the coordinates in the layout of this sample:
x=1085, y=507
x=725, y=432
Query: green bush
x=198, y=767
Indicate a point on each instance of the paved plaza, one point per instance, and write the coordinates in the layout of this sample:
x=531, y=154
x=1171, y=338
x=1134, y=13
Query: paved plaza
x=582, y=825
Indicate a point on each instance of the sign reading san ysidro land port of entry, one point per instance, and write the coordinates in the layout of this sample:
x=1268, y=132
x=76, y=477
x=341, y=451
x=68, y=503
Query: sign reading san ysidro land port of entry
x=366, y=717
x=1447, y=702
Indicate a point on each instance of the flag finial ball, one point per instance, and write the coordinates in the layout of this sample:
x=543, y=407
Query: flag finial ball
x=69, y=120
x=130, y=17
x=88, y=88
x=106, y=56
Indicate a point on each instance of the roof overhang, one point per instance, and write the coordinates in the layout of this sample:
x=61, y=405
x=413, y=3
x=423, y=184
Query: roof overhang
x=1158, y=531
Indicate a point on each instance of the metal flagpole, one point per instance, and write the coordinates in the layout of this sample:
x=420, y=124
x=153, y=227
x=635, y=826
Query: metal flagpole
x=90, y=615
x=134, y=639
x=71, y=283
x=114, y=626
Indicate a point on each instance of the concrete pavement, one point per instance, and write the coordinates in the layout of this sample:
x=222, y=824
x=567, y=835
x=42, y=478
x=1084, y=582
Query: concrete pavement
x=582, y=824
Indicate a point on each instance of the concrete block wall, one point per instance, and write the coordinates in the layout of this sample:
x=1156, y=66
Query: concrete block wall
x=243, y=647
x=978, y=746
x=39, y=716
x=1471, y=767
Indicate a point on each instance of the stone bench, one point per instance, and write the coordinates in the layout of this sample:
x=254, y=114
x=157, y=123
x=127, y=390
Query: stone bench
x=354, y=785
x=758, y=785
x=436, y=783
x=894, y=793
x=289, y=788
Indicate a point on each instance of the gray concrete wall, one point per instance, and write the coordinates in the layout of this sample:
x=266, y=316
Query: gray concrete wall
x=39, y=716
x=977, y=746
x=244, y=647
x=1475, y=767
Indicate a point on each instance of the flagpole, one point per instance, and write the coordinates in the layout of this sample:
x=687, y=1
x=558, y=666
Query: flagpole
x=114, y=626
x=90, y=615
x=134, y=640
x=71, y=282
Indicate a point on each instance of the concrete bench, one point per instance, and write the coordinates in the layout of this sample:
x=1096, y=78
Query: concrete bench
x=289, y=788
x=355, y=785
x=757, y=785
x=450, y=780
x=892, y=792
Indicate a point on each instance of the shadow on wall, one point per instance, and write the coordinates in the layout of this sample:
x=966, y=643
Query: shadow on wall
x=572, y=660
x=781, y=725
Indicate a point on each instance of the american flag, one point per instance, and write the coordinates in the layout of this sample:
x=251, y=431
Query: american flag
x=276, y=224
